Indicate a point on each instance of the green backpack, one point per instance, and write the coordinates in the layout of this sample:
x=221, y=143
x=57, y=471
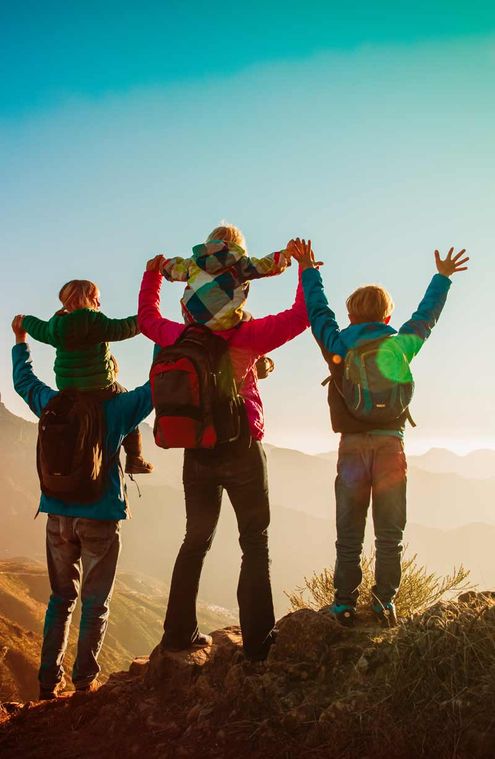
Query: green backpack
x=377, y=385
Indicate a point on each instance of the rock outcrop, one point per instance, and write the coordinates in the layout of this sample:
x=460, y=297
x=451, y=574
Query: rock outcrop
x=426, y=688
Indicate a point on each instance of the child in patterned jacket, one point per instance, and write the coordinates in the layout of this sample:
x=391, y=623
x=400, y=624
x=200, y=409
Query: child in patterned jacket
x=218, y=275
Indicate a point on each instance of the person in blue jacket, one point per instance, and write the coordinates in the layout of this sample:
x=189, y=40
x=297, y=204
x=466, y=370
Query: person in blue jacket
x=80, y=539
x=371, y=460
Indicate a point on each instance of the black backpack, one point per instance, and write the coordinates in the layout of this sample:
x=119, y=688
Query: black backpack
x=195, y=395
x=70, y=453
x=376, y=383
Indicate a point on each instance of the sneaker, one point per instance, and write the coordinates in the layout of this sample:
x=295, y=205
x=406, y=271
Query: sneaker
x=345, y=614
x=385, y=614
x=201, y=641
x=137, y=465
x=91, y=687
x=46, y=694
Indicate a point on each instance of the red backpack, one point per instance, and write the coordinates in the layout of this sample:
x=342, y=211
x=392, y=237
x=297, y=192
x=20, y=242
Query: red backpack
x=195, y=395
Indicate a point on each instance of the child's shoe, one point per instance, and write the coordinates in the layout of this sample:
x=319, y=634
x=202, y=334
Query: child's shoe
x=385, y=613
x=343, y=613
x=137, y=465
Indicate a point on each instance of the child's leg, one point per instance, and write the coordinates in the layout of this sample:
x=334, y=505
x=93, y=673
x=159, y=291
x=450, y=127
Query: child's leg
x=352, y=493
x=132, y=444
x=133, y=447
x=389, y=514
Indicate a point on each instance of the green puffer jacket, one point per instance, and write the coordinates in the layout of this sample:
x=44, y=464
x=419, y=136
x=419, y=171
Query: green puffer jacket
x=83, y=359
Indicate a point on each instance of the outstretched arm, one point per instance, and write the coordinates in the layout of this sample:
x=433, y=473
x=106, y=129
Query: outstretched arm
x=418, y=328
x=176, y=269
x=37, y=328
x=105, y=330
x=153, y=325
x=321, y=317
x=324, y=325
x=268, y=266
x=26, y=384
x=264, y=335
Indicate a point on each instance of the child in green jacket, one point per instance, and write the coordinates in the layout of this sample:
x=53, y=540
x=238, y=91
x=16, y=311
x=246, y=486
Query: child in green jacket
x=80, y=333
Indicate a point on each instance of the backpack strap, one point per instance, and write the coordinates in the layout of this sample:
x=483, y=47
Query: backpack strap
x=409, y=418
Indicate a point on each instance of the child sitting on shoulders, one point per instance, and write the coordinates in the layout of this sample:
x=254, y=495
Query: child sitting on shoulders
x=218, y=275
x=80, y=333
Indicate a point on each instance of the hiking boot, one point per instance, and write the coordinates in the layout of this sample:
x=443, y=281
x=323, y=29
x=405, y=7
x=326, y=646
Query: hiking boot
x=385, y=614
x=137, y=465
x=46, y=694
x=345, y=614
x=201, y=641
x=91, y=687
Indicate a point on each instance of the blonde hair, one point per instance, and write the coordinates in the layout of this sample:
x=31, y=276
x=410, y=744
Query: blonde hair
x=78, y=293
x=229, y=233
x=370, y=303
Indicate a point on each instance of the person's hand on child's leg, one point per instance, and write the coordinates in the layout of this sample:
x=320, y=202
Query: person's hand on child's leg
x=451, y=264
x=303, y=253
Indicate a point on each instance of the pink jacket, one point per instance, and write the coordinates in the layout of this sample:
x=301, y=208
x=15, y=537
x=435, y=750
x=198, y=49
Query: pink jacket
x=247, y=342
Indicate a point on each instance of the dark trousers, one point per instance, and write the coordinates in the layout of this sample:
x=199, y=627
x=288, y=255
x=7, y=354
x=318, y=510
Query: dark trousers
x=369, y=466
x=74, y=544
x=240, y=469
x=133, y=442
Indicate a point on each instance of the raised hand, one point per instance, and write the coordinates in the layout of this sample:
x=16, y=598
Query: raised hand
x=303, y=253
x=156, y=263
x=17, y=329
x=451, y=264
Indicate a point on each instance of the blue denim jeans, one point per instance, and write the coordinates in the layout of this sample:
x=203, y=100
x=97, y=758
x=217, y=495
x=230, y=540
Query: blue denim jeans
x=369, y=467
x=240, y=469
x=76, y=546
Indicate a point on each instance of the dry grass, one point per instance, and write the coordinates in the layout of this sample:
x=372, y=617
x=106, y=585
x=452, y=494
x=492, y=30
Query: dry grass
x=428, y=686
x=418, y=590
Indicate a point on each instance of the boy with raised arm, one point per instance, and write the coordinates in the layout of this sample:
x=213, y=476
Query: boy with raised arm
x=369, y=392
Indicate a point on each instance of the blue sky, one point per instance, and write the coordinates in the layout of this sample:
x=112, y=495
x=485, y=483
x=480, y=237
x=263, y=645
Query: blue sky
x=125, y=131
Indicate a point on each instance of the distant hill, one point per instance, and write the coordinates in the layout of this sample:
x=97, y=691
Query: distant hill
x=475, y=465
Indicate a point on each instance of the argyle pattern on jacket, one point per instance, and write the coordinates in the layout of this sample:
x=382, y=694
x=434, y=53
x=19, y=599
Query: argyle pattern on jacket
x=218, y=276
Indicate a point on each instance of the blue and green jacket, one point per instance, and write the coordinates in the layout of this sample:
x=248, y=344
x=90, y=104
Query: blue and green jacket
x=122, y=414
x=335, y=341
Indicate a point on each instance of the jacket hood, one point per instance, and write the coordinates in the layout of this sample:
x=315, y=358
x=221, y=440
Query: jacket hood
x=362, y=333
x=216, y=256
